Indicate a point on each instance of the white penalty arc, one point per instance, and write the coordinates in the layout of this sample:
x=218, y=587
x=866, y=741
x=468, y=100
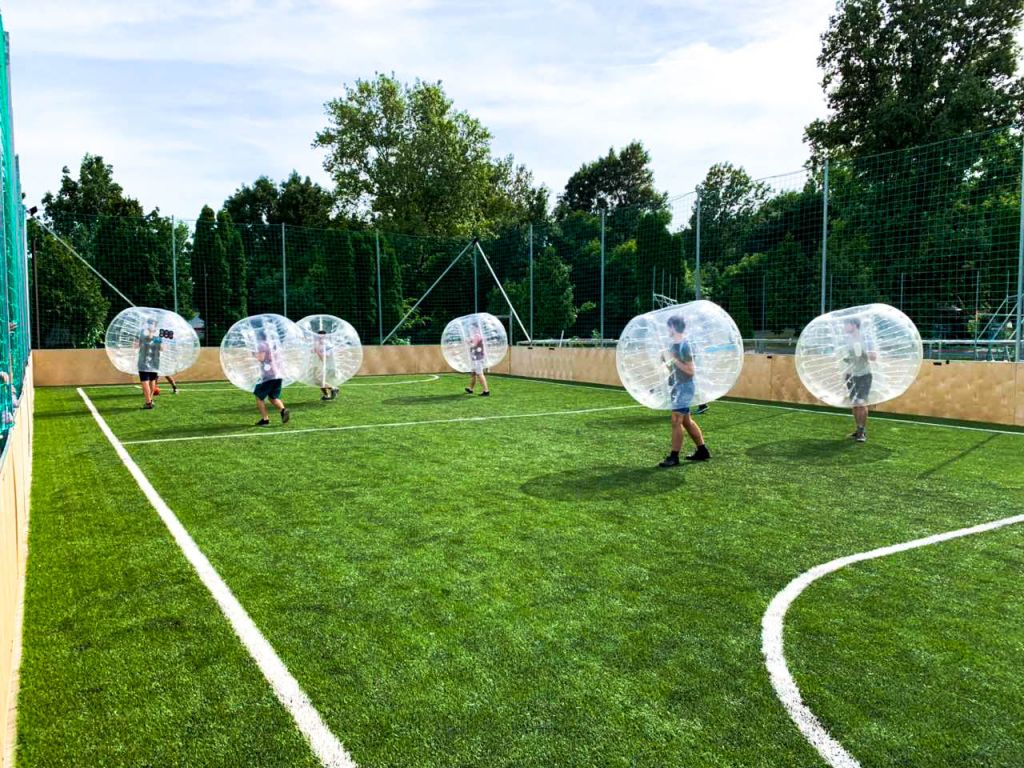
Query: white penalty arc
x=328, y=749
x=772, y=642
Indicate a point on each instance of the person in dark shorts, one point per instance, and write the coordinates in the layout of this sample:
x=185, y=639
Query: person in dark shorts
x=857, y=359
x=148, y=345
x=269, y=387
x=323, y=348
x=477, y=356
x=680, y=360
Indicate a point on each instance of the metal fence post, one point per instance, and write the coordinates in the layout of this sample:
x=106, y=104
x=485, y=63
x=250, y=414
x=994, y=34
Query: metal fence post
x=284, y=273
x=824, y=235
x=380, y=293
x=696, y=270
x=174, y=264
x=531, y=282
x=603, y=212
x=1020, y=270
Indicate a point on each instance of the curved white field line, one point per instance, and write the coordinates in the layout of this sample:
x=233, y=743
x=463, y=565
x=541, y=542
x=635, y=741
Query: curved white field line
x=431, y=377
x=772, y=646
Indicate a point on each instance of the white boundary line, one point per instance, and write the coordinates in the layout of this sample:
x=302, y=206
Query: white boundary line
x=196, y=386
x=772, y=644
x=385, y=425
x=325, y=744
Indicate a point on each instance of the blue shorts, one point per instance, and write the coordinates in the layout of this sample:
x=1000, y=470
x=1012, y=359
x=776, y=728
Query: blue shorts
x=682, y=397
x=270, y=388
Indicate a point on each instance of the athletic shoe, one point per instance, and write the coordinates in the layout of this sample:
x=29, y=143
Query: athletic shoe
x=469, y=391
x=326, y=397
x=669, y=461
x=701, y=454
x=861, y=437
x=702, y=408
x=174, y=389
x=263, y=423
x=485, y=393
x=334, y=393
x=147, y=407
x=285, y=415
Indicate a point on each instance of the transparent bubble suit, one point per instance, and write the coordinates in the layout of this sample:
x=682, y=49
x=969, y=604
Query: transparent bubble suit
x=276, y=339
x=154, y=340
x=335, y=352
x=643, y=353
x=873, y=340
x=471, y=337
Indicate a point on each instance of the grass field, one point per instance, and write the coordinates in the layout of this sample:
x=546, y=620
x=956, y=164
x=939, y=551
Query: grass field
x=514, y=588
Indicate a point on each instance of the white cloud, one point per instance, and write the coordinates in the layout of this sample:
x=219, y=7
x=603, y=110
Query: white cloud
x=188, y=100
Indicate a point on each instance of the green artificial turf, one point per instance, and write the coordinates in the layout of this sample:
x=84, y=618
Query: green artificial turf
x=523, y=591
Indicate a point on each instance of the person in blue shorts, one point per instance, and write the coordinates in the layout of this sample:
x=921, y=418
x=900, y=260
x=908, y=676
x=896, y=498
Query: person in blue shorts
x=681, y=372
x=148, y=345
x=269, y=387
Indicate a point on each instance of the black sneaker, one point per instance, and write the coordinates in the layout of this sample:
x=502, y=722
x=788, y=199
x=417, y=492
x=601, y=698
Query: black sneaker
x=469, y=391
x=326, y=397
x=334, y=393
x=702, y=408
x=669, y=461
x=147, y=407
x=701, y=454
x=861, y=437
x=263, y=423
x=285, y=415
x=485, y=393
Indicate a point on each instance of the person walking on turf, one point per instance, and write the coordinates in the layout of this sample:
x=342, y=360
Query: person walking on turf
x=477, y=355
x=860, y=351
x=323, y=348
x=680, y=360
x=148, y=345
x=269, y=387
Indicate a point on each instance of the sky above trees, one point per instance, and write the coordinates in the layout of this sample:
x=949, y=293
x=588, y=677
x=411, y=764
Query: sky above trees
x=190, y=100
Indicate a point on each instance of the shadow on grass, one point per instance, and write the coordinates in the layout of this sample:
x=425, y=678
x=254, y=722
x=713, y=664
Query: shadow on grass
x=639, y=419
x=426, y=399
x=606, y=483
x=820, y=452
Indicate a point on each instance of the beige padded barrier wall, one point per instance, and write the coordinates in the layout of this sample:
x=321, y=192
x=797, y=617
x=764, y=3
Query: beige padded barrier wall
x=91, y=367
x=15, y=481
x=970, y=391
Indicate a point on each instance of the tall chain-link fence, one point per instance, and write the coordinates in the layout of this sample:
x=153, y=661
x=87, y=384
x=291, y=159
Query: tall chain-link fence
x=933, y=230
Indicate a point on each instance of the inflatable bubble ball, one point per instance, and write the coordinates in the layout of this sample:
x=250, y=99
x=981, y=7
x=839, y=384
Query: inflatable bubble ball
x=680, y=356
x=335, y=351
x=859, y=356
x=473, y=343
x=152, y=340
x=261, y=348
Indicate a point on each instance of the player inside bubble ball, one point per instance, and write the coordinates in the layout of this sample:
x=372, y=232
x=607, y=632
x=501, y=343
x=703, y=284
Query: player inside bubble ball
x=477, y=355
x=679, y=358
x=270, y=380
x=148, y=344
x=323, y=348
x=857, y=357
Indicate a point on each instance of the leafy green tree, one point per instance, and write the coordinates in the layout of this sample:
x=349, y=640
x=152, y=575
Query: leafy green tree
x=404, y=158
x=296, y=201
x=212, y=275
x=71, y=307
x=617, y=180
x=899, y=73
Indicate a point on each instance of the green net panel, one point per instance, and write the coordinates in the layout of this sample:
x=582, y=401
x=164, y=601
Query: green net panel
x=14, y=314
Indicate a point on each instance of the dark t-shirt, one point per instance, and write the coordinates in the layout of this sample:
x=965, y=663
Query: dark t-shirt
x=476, y=349
x=681, y=352
x=149, y=352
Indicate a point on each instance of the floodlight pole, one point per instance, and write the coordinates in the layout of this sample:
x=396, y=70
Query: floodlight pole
x=497, y=282
x=380, y=301
x=476, y=285
x=174, y=264
x=427, y=293
x=1020, y=270
x=284, y=273
x=603, y=212
x=696, y=270
x=531, y=280
x=824, y=235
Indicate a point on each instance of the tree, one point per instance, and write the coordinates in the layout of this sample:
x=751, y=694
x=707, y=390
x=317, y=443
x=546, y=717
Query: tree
x=402, y=157
x=212, y=277
x=296, y=201
x=898, y=73
x=617, y=180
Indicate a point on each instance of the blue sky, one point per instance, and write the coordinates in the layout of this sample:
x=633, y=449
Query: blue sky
x=189, y=100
